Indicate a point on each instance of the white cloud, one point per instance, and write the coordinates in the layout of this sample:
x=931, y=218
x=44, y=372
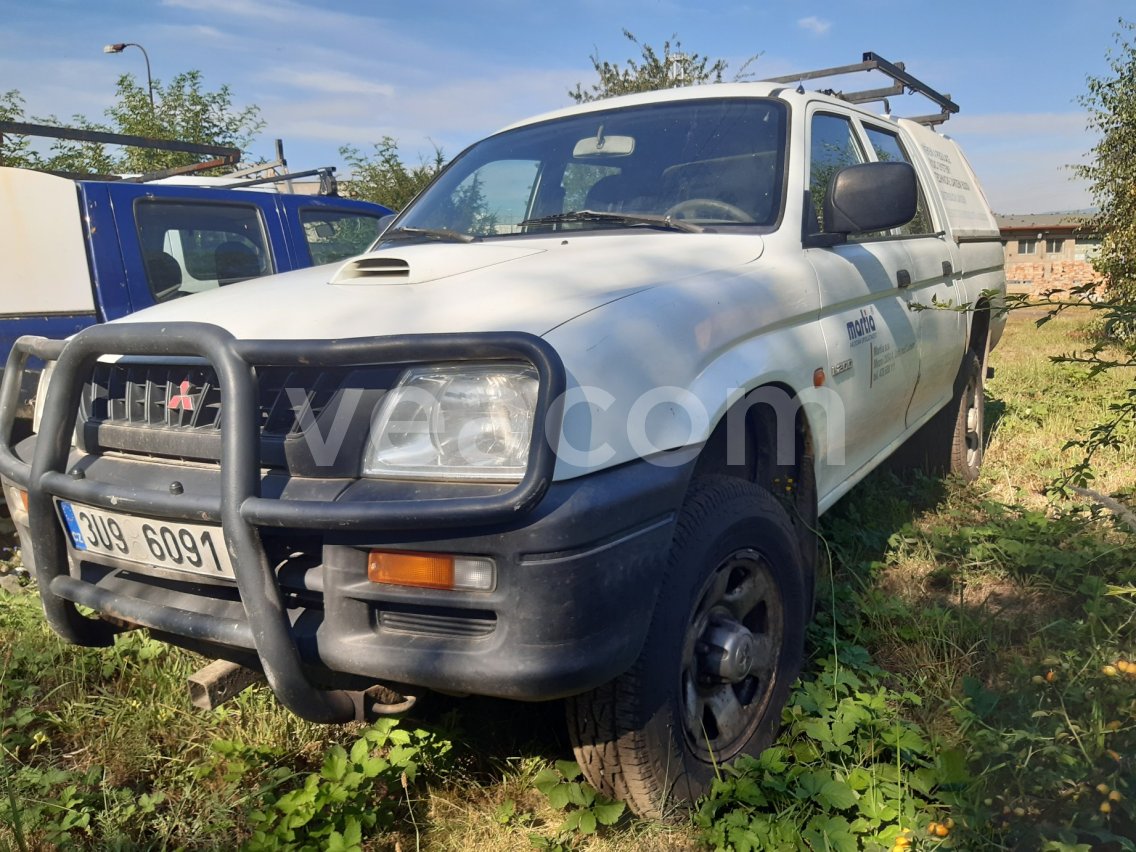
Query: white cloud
x=450, y=113
x=1022, y=127
x=815, y=25
x=280, y=11
x=330, y=82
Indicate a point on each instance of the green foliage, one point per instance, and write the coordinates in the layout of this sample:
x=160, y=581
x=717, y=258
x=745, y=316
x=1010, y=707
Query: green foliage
x=16, y=150
x=384, y=177
x=356, y=791
x=670, y=67
x=63, y=155
x=1112, y=349
x=1111, y=172
x=1061, y=708
x=849, y=771
x=182, y=110
x=585, y=809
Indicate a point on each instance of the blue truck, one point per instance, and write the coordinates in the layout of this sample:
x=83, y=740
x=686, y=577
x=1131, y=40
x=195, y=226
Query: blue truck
x=78, y=252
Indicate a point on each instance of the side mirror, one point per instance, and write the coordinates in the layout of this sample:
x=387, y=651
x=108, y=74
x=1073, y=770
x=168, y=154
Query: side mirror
x=870, y=197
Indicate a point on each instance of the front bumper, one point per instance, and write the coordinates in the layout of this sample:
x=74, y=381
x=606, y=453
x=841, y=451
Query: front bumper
x=577, y=562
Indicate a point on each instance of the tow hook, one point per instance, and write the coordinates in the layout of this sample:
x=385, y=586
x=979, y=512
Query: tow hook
x=218, y=682
x=380, y=700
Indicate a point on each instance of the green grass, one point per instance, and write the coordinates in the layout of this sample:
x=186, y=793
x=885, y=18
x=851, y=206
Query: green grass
x=962, y=667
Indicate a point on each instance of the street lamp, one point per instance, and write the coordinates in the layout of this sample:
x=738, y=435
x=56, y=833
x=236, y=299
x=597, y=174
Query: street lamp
x=121, y=46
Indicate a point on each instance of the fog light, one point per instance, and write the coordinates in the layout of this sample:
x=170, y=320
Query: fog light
x=431, y=570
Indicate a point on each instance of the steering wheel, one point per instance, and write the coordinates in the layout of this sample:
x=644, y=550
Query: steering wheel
x=723, y=209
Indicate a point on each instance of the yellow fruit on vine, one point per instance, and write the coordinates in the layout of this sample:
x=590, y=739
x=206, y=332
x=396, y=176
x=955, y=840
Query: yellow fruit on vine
x=1019, y=812
x=941, y=830
x=1115, y=796
x=1105, y=808
x=1050, y=676
x=1123, y=665
x=902, y=842
x=932, y=828
x=949, y=823
x=1110, y=671
x=1103, y=789
x=1037, y=679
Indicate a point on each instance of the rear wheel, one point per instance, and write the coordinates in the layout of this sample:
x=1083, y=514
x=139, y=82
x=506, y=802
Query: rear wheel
x=724, y=647
x=952, y=441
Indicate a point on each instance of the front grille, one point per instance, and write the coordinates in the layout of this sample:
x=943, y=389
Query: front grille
x=146, y=395
x=176, y=410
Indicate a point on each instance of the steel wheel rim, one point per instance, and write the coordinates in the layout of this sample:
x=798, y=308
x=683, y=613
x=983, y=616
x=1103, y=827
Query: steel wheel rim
x=973, y=435
x=718, y=716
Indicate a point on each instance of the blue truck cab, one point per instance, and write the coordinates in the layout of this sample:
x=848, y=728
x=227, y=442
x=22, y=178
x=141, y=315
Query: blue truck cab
x=80, y=252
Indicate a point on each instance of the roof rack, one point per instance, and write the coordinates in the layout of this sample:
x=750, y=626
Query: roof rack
x=903, y=83
x=223, y=156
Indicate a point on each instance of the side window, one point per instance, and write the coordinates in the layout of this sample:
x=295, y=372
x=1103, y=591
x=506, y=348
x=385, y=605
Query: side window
x=334, y=235
x=510, y=183
x=888, y=149
x=579, y=179
x=189, y=247
x=833, y=147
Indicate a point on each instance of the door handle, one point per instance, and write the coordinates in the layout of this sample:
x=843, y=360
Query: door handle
x=903, y=278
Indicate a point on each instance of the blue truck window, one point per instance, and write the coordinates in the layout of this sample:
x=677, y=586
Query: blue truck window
x=334, y=235
x=193, y=246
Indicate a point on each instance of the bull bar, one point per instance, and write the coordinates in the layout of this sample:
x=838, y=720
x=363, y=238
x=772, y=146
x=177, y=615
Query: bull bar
x=238, y=507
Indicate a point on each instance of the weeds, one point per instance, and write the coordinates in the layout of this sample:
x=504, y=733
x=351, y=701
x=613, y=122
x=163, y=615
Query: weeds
x=972, y=686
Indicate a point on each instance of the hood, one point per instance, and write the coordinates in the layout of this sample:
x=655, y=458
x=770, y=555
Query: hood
x=531, y=285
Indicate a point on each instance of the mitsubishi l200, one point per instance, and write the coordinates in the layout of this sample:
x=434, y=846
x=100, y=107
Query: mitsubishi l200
x=563, y=433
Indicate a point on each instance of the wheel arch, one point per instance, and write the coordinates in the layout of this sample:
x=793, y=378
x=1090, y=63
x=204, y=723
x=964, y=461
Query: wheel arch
x=980, y=330
x=759, y=455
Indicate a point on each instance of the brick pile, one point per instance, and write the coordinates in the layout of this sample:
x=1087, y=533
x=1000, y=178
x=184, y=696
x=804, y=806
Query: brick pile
x=1040, y=276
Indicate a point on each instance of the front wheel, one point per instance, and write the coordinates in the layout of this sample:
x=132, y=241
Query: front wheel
x=724, y=647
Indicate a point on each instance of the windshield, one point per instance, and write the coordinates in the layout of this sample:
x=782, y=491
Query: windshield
x=702, y=163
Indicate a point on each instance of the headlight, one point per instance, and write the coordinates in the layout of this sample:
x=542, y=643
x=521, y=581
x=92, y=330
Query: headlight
x=459, y=422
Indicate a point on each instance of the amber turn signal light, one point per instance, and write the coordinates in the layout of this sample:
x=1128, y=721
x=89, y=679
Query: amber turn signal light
x=431, y=570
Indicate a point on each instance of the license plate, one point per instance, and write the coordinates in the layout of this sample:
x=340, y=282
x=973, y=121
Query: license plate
x=196, y=548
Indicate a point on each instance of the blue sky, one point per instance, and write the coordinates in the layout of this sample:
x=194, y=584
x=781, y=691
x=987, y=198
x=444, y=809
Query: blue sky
x=432, y=72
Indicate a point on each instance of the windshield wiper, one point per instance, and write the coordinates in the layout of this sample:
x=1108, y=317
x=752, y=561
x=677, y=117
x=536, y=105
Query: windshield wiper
x=430, y=233
x=631, y=219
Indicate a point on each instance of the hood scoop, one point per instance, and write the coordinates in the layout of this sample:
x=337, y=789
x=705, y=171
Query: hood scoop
x=376, y=269
x=420, y=264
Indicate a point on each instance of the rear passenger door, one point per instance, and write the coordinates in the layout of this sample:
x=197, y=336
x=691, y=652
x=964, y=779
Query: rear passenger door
x=869, y=331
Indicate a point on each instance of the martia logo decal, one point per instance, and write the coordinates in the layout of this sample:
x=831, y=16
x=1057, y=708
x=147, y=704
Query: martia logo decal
x=182, y=399
x=863, y=327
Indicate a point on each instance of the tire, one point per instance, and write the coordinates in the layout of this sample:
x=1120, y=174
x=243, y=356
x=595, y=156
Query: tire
x=952, y=442
x=734, y=579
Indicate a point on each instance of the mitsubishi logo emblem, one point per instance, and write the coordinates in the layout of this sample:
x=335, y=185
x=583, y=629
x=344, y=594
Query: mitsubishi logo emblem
x=182, y=399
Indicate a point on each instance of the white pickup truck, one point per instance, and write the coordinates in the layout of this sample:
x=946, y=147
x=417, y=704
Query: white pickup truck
x=563, y=432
